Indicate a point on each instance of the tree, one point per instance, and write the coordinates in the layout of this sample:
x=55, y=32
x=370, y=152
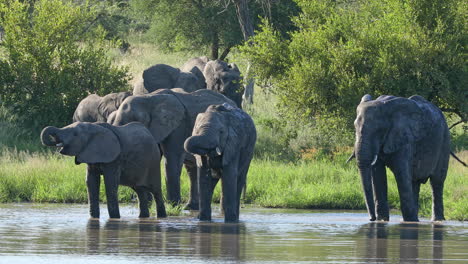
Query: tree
x=53, y=57
x=204, y=25
x=345, y=49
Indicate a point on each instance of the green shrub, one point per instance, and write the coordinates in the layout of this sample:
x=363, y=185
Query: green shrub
x=53, y=57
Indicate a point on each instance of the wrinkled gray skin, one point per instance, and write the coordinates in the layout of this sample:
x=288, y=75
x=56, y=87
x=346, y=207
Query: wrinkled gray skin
x=126, y=155
x=170, y=116
x=411, y=137
x=163, y=76
x=196, y=66
x=222, y=141
x=95, y=108
x=225, y=79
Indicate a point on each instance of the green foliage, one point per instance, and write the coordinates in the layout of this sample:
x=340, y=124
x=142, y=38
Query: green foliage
x=345, y=49
x=53, y=58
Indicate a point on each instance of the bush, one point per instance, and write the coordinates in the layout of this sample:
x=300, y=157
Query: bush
x=345, y=49
x=53, y=57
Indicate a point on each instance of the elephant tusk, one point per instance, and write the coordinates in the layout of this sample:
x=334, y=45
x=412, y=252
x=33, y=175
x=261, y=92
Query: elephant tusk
x=350, y=158
x=218, y=151
x=374, y=161
x=59, y=145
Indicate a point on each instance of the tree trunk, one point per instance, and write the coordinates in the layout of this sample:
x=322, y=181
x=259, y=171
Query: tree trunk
x=245, y=22
x=215, y=46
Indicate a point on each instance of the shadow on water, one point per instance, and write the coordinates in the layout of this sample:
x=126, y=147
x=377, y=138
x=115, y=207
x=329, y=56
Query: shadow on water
x=415, y=242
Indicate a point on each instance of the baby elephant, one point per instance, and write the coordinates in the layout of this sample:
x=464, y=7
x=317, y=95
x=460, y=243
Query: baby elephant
x=126, y=155
x=222, y=141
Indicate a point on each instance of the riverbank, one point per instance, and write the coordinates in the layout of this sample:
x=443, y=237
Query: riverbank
x=320, y=184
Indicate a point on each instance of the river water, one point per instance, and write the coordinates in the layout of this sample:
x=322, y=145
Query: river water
x=34, y=233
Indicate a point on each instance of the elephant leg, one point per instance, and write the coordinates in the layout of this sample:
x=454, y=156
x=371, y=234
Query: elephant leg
x=416, y=189
x=379, y=183
x=230, y=193
x=174, y=158
x=160, y=207
x=93, y=180
x=405, y=189
x=206, y=185
x=241, y=183
x=437, y=200
x=193, y=200
x=143, y=202
x=111, y=181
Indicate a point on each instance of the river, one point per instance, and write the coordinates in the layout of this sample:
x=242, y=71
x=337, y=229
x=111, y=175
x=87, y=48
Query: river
x=63, y=233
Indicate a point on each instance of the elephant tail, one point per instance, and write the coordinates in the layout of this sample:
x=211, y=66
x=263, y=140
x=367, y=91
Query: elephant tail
x=453, y=155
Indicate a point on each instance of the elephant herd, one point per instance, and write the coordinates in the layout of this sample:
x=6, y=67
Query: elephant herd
x=170, y=114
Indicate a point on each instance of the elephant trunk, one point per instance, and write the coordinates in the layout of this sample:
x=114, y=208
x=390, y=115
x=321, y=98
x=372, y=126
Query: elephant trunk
x=49, y=136
x=366, y=159
x=201, y=145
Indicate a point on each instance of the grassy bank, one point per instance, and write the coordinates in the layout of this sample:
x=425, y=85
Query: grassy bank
x=320, y=184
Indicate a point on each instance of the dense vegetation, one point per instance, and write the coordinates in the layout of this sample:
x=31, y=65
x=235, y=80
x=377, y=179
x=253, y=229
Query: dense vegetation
x=314, y=61
x=345, y=49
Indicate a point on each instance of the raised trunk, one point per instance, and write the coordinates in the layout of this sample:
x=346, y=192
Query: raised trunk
x=200, y=145
x=48, y=135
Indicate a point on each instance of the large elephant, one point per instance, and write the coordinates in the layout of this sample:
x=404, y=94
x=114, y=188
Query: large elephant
x=222, y=141
x=95, y=108
x=170, y=116
x=224, y=78
x=163, y=76
x=126, y=155
x=411, y=137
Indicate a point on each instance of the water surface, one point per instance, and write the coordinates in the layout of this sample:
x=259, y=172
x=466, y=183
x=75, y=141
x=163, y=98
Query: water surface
x=32, y=233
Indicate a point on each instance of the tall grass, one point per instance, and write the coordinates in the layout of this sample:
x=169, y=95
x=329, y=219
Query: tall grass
x=323, y=184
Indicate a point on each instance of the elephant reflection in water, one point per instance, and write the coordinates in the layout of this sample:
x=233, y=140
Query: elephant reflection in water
x=219, y=240
x=412, y=242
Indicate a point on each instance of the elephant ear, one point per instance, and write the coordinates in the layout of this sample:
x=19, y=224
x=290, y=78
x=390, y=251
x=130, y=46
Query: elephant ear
x=102, y=146
x=167, y=114
x=407, y=124
x=230, y=147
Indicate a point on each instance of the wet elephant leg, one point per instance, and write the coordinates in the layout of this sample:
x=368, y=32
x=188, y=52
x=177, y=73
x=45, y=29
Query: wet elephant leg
x=437, y=200
x=160, y=207
x=206, y=185
x=173, y=165
x=230, y=193
x=379, y=183
x=193, y=203
x=111, y=181
x=143, y=202
x=405, y=189
x=416, y=188
x=93, y=180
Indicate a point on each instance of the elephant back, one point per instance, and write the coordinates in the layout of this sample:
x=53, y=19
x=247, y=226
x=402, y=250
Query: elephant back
x=159, y=76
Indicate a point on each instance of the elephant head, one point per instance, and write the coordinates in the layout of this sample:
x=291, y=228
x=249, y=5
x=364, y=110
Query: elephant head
x=89, y=143
x=213, y=136
x=225, y=79
x=110, y=103
x=382, y=127
x=161, y=113
x=159, y=76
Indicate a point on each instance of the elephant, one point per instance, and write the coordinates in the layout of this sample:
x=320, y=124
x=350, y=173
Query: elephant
x=170, y=115
x=196, y=66
x=163, y=76
x=411, y=137
x=126, y=155
x=224, y=78
x=95, y=108
x=222, y=141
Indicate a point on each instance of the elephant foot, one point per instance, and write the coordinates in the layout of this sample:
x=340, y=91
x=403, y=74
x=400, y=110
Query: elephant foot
x=192, y=206
x=438, y=218
x=161, y=214
x=412, y=219
x=383, y=218
x=144, y=215
x=204, y=217
x=372, y=219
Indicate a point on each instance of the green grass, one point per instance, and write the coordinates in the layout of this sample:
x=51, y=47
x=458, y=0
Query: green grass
x=321, y=184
